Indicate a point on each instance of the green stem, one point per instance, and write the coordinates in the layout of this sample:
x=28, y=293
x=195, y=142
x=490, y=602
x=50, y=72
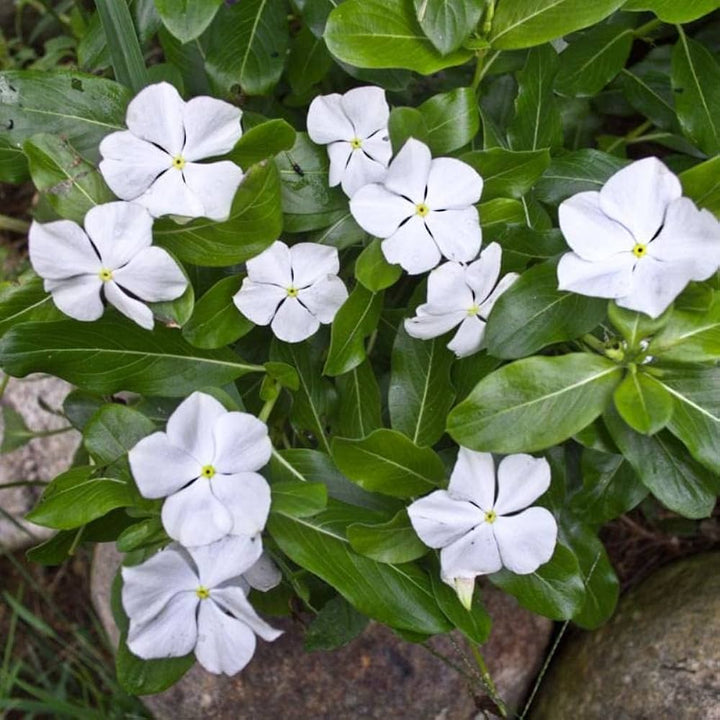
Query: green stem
x=23, y=483
x=267, y=408
x=630, y=137
x=14, y=224
x=76, y=540
x=644, y=30
x=594, y=343
x=479, y=65
x=487, y=679
x=3, y=385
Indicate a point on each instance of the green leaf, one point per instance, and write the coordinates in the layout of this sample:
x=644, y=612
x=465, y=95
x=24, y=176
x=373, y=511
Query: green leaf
x=674, y=478
x=373, y=271
x=537, y=122
x=216, y=321
x=298, y=499
x=420, y=393
x=592, y=59
x=113, y=430
x=359, y=411
x=334, y=626
x=80, y=108
x=384, y=34
x=74, y=499
x=397, y=595
x=576, y=172
x=15, y=432
x=255, y=222
x=635, y=326
x=355, y=320
x=113, y=354
x=475, y=624
x=507, y=173
x=648, y=90
x=71, y=185
x=246, y=45
x=141, y=534
x=56, y=550
x=643, y=403
x=308, y=61
x=451, y=119
x=532, y=313
x=189, y=61
x=696, y=82
x=13, y=163
x=261, y=142
x=187, y=19
x=501, y=211
x=689, y=337
x=392, y=542
x=672, y=11
x=388, y=463
x=534, y=403
x=555, y=590
x=523, y=245
x=25, y=300
x=524, y=23
x=404, y=123
x=702, y=185
x=448, y=24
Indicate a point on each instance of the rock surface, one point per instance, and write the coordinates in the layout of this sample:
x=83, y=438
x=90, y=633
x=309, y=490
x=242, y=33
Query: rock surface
x=40, y=459
x=657, y=658
x=377, y=676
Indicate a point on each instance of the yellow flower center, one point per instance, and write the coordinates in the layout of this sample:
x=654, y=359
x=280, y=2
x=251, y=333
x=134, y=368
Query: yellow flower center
x=292, y=292
x=639, y=250
x=203, y=593
x=356, y=143
x=105, y=275
x=178, y=162
x=473, y=310
x=422, y=209
x=208, y=471
x=490, y=516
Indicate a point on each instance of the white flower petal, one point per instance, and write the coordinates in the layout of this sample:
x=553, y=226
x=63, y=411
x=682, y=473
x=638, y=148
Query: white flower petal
x=327, y=122
x=361, y=170
x=489, y=303
x=378, y=211
x=412, y=247
x=259, y=302
x=212, y=128
x=156, y=114
x=638, y=195
x=339, y=154
x=241, y=443
x=194, y=516
x=439, y=519
x=589, y=231
x=427, y=325
x=272, y=265
x=521, y=479
x=247, y=498
x=367, y=109
x=171, y=633
x=170, y=195
x=456, y=232
x=233, y=600
x=161, y=468
x=378, y=147
x=61, y=249
x=128, y=306
x=190, y=427
x=293, y=322
x=224, y=645
x=526, y=540
x=473, y=554
x=215, y=185
x=130, y=164
x=610, y=278
x=119, y=231
x=264, y=575
x=452, y=184
x=226, y=559
x=78, y=297
x=311, y=262
x=408, y=173
x=324, y=297
x=469, y=338
x=447, y=288
x=473, y=478
x=482, y=274
x=152, y=275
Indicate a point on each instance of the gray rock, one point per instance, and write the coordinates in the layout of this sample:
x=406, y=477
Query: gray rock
x=376, y=677
x=658, y=658
x=40, y=459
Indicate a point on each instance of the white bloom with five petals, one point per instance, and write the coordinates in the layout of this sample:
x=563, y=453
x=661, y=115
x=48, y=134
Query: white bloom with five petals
x=354, y=126
x=112, y=259
x=155, y=161
x=424, y=209
x=205, y=465
x=637, y=240
x=482, y=524
x=185, y=600
x=461, y=295
x=292, y=289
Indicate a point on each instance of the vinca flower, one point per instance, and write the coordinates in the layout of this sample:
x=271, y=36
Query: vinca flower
x=292, y=289
x=637, y=241
x=185, y=600
x=482, y=524
x=205, y=465
x=424, y=209
x=155, y=161
x=111, y=260
x=354, y=126
x=461, y=295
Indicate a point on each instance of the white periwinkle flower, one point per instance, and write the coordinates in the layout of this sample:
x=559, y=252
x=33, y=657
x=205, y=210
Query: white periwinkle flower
x=111, y=259
x=461, y=295
x=354, y=126
x=195, y=599
x=154, y=161
x=205, y=465
x=637, y=241
x=424, y=209
x=292, y=289
x=482, y=526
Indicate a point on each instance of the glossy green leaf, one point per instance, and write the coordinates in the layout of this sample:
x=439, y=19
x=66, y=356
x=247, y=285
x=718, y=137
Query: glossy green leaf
x=25, y=300
x=298, y=499
x=643, y=403
x=337, y=623
x=373, y=271
x=702, y=185
x=534, y=403
x=392, y=542
x=451, y=119
x=15, y=432
x=358, y=411
x=13, y=163
x=113, y=430
x=187, y=19
x=672, y=11
x=501, y=211
x=648, y=90
x=635, y=326
x=406, y=123
x=308, y=62
x=448, y=23
x=142, y=534
x=262, y=141
x=523, y=245
x=507, y=173
x=689, y=337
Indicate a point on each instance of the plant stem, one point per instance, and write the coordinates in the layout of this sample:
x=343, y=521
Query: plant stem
x=644, y=30
x=267, y=408
x=632, y=135
x=14, y=224
x=487, y=679
x=3, y=385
